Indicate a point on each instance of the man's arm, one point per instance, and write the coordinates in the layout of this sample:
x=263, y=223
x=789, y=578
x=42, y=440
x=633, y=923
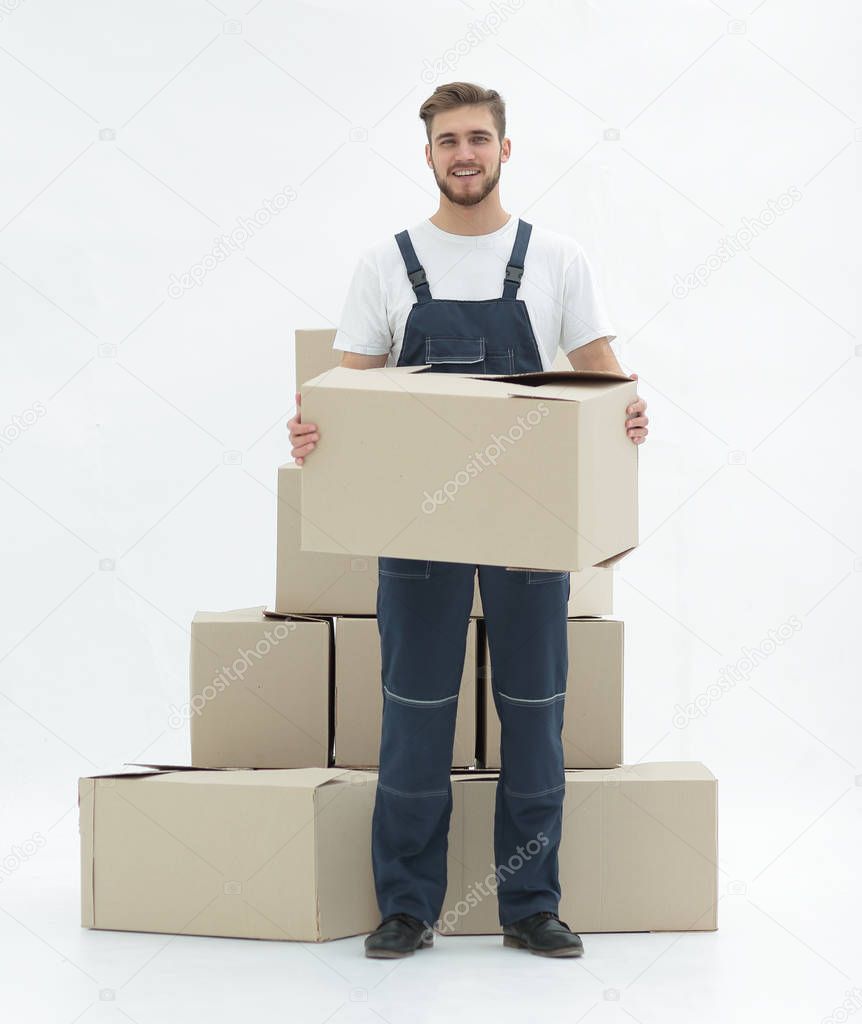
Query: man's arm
x=597, y=355
x=355, y=361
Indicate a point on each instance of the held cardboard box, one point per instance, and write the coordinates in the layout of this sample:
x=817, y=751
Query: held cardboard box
x=256, y=854
x=530, y=471
x=311, y=582
x=639, y=851
x=359, y=696
x=260, y=690
x=593, y=707
x=315, y=354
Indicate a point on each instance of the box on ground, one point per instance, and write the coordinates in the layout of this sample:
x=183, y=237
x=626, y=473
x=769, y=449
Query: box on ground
x=313, y=582
x=359, y=696
x=259, y=854
x=593, y=708
x=260, y=690
x=639, y=851
x=530, y=470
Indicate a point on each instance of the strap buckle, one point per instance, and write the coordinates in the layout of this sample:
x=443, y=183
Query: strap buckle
x=418, y=277
x=514, y=274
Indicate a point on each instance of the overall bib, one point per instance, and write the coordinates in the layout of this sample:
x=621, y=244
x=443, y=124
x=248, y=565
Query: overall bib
x=423, y=610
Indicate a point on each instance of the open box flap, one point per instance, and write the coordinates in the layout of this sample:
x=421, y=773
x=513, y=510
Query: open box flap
x=301, y=616
x=339, y=376
x=535, y=378
x=609, y=562
x=131, y=769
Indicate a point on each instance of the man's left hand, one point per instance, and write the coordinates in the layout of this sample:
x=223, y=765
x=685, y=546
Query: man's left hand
x=636, y=418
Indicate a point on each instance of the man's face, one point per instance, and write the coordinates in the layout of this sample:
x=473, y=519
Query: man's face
x=466, y=140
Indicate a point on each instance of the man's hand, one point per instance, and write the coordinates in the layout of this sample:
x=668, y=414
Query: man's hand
x=303, y=436
x=598, y=355
x=636, y=424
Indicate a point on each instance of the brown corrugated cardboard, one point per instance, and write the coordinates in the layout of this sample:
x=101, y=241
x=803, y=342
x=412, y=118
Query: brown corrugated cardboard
x=313, y=582
x=593, y=708
x=532, y=470
x=639, y=851
x=261, y=854
x=260, y=690
x=309, y=581
x=359, y=696
x=315, y=354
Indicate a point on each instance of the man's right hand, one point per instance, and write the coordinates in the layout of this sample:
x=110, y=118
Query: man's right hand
x=303, y=436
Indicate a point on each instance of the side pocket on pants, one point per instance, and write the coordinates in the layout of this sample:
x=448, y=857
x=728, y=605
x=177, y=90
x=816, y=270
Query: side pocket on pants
x=404, y=568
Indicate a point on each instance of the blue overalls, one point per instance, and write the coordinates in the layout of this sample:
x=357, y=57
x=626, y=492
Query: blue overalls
x=423, y=609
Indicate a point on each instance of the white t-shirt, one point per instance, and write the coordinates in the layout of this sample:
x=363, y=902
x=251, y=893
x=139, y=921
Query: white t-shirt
x=558, y=287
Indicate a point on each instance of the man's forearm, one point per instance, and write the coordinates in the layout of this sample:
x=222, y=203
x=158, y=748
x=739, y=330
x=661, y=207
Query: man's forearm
x=598, y=355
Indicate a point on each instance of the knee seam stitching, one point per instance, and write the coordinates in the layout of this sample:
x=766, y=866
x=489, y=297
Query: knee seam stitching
x=532, y=700
x=541, y=792
x=400, y=792
x=410, y=700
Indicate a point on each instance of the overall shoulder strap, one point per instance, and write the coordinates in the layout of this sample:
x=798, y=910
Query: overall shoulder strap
x=415, y=272
x=515, y=266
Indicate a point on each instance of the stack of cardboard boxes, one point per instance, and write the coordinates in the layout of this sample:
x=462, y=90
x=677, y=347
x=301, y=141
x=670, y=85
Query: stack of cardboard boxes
x=267, y=833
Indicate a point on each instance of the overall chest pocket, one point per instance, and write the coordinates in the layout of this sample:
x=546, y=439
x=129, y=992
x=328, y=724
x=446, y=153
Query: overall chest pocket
x=455, y=355
x=467, y=355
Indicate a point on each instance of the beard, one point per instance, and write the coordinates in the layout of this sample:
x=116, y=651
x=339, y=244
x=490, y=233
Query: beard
x=471, y=195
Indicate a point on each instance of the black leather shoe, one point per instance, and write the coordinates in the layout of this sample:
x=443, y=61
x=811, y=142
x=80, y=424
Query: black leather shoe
x=398, y=935
x=543, y=934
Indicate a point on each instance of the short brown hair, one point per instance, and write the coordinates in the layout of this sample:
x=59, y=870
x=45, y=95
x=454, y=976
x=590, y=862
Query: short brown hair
x=461, y=94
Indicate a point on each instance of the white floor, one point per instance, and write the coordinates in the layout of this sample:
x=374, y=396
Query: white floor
x=788, y=949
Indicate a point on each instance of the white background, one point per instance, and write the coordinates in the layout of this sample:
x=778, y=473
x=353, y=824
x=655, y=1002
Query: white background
x=142, y=487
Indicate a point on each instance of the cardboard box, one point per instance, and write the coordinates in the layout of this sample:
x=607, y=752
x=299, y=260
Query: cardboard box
x=639, y=851
x=314, y=354
x=359, y=696
x=260, y=690
x=255, y=854
x=528, y=471
x=311, y=582
x=593, y=711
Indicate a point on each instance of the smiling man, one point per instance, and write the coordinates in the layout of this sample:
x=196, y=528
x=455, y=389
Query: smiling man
x=472, y=289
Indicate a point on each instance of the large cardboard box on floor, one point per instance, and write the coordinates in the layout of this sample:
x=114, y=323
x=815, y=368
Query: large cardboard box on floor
x=359, y=696
x=639, y=851
x=593, y=708
x=528, y=471
x=260, y=690
x=312, y=582
x=256, y=854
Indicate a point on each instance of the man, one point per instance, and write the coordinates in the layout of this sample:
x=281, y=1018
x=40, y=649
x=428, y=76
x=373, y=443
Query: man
x=446, y=293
